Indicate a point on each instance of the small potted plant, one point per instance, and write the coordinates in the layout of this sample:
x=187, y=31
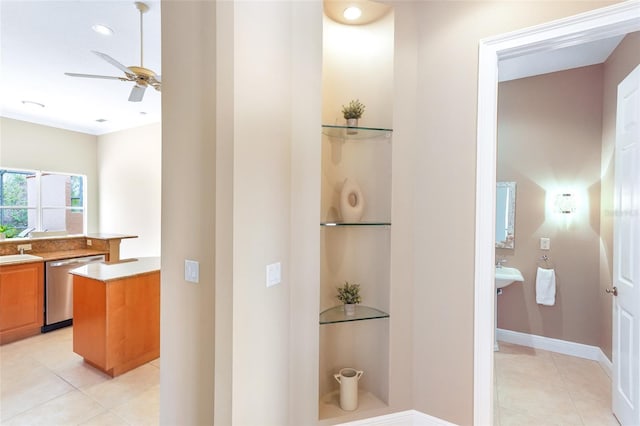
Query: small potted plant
x=352, y=112
x=3, y=231
x=349, y=294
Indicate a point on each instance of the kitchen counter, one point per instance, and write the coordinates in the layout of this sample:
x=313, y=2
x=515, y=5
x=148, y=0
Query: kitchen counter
x=55, y=255
x=67, y=254
x=115, y=271
x=66, y=247
x=103, y=236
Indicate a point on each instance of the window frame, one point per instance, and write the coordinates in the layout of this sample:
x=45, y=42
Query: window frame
x=39, y=207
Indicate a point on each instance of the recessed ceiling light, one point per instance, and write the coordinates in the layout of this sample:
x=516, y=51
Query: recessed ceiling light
x=33, y=104
x=102, y=29
x=351, y=13
x=143, y=113
x=101, y=120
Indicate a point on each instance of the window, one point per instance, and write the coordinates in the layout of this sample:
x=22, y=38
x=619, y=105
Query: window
x=41, y=201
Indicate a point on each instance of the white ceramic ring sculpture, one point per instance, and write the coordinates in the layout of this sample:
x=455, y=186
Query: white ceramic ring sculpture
x=351, y=201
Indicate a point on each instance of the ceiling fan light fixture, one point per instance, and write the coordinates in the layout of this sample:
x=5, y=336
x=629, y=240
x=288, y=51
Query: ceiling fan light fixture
x=33, y=104
x=102, y=29
x=352, y=13
x=141, y=76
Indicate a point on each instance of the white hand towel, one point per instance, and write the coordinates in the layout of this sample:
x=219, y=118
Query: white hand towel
x=546, y=287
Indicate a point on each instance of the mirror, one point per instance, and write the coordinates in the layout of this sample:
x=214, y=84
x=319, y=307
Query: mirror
x=505, y=214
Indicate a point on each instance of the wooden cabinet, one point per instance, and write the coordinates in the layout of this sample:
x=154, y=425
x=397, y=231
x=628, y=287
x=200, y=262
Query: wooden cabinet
x=21, y=300
x=116, y=323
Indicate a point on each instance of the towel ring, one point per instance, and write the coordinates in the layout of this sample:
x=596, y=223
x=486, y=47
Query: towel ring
x=545, y=262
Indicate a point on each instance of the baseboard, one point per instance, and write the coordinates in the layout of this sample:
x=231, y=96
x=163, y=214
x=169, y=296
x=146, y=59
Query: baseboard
x=606, y=364
x=565, y=347
x=402, y=418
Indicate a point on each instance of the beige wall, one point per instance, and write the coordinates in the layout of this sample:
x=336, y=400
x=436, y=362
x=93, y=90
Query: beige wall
x=188, y=197
x=549, y=141
x=262, y=211
x=435, y=96
x=619, y=64
x=37, y=147
x=444, y=134
x=122, y=169
x=588, y=321
x=304, y=269
x=247, y=162
x=129, y=163
x=358, y=64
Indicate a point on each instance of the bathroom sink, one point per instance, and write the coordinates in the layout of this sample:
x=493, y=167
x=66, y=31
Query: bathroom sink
x=17, y=258
x=506, y=276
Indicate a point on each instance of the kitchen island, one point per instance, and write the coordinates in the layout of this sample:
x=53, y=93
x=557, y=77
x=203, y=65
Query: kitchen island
x=116, y=314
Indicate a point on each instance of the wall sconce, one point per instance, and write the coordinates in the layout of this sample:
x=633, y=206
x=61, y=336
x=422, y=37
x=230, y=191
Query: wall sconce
x=565, y=203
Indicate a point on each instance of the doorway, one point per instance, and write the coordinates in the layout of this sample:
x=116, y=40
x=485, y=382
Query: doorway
x=602, y=23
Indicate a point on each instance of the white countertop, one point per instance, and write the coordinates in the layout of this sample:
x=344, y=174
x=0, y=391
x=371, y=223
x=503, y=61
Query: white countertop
x=103, y=236
x=109, y=272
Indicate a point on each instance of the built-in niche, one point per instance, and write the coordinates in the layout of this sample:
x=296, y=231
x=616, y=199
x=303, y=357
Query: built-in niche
x=357, y=64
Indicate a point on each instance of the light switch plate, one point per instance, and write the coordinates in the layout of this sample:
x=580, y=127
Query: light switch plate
x=274, y=274
x=191, y=271
x=545, y=243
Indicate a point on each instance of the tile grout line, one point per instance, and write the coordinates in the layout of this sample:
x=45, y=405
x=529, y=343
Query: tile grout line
x=566, y=388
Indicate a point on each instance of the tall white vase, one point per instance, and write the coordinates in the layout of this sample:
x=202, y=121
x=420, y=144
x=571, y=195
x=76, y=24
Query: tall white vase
x=348, y=379
x=351, y=201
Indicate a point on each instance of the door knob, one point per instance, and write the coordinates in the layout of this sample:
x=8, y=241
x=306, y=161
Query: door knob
x=613, y=291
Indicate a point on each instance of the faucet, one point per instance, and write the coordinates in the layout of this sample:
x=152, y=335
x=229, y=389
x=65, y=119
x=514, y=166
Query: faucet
x=21, y=250
x=500, y=262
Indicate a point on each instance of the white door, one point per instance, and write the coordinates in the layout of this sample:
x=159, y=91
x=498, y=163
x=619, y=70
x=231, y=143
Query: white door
x=626, y=255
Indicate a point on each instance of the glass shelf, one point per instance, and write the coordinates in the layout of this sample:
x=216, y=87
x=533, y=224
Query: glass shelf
x=336, y=314
x=344, y=132
x=355, y=223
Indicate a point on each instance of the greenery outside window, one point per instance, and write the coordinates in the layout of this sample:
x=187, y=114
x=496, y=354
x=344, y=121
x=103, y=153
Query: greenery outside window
x=32, y=200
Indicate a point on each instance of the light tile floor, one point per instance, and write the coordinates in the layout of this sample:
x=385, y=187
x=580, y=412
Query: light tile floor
x=539, y=388
x=43, y=382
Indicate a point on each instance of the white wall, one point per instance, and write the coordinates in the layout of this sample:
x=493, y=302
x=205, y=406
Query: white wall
x=31, y=146
x=129, y=172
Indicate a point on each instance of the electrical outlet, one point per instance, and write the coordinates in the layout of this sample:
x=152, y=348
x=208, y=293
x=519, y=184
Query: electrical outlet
x=545, y=244
x=89, y=243
x=24, y=247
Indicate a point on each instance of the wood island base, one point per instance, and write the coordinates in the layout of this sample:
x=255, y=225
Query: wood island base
x=116, y=321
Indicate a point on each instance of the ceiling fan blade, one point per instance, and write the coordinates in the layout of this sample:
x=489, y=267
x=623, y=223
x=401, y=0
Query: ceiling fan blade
x=113, y=62
x=155, y=82
x=137, y=93
x=106, y=77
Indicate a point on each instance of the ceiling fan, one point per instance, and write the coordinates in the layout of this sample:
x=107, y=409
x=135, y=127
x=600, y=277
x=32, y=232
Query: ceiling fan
x=142, y=77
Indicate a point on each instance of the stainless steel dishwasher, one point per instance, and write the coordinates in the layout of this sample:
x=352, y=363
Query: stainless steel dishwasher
x=58, y=290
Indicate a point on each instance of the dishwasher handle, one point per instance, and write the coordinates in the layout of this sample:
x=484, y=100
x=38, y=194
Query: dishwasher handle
x=77, y=261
